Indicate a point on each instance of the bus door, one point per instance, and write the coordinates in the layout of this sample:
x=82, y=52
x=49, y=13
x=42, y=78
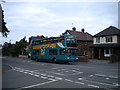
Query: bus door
x=35, y=53
x=71, y=53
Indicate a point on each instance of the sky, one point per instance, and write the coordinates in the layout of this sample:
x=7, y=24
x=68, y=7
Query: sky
x=54, y=18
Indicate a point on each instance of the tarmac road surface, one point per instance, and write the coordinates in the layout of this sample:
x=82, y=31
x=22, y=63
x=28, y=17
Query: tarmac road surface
x=21, y=73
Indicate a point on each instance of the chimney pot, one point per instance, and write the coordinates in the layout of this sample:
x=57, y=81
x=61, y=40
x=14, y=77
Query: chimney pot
x=74, y=29
x=83, y=30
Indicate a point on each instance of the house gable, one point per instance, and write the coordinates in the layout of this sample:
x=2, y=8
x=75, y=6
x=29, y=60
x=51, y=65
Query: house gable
x=81, y=36
x=108, y=31
x=107, y=36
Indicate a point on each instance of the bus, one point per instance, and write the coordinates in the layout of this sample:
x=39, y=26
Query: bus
x=62, y=49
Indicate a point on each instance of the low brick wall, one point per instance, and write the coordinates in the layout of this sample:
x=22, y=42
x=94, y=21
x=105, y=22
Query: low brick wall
x=23, y=56
x=83, y=58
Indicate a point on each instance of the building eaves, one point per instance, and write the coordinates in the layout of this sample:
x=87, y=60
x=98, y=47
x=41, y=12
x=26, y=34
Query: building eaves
x=84, y=36
x=108, y=31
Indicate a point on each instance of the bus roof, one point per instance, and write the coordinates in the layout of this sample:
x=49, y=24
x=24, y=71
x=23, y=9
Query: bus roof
x=52, y=37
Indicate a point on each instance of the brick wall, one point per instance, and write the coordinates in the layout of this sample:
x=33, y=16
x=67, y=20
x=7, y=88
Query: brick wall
x=83, y=46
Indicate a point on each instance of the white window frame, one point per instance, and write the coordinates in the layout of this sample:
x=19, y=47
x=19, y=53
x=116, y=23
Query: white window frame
x=97, y=39
x=85, y=43
x=105, y=54
x=85, y=53
x=109, y=39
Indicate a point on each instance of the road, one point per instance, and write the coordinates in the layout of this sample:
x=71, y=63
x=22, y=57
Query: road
x=21, y=73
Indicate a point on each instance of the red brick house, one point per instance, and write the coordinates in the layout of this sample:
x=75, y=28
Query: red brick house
x=35, y=37
x=106, y=44
x=84, y=40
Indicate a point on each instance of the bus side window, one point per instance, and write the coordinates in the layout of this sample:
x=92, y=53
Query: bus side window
x=62, y=51
x=53, y=52
x=36, y=52
x=61, y=40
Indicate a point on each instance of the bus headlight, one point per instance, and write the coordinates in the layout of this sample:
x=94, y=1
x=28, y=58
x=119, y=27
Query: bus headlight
x=76, y=57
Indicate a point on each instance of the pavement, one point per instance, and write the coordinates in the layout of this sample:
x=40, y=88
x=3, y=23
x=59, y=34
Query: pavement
x=91, y=61
x=103, y=62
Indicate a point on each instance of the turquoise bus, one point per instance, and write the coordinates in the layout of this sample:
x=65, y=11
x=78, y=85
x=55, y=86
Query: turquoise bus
x=60, y=49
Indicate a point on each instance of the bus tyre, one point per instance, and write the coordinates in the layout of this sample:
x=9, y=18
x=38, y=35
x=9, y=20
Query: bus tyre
x=36, y=59
x=54, y=60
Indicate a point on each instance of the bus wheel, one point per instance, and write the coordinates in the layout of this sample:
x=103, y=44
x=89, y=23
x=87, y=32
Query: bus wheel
x=54, y=60
x=36, y=59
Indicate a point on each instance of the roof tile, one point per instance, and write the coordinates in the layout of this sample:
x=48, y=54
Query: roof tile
x=108, y=31
x=80, y=35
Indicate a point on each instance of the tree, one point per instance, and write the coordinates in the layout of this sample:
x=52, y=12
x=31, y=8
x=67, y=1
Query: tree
x=6, y=49
x=19, y=47
x=15, y=49
x=4, y=30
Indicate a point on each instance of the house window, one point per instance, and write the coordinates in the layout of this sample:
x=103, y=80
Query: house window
x=109, y=39
x=107, y=52
x=85, y=53
x=85, y=43
x=98, y=40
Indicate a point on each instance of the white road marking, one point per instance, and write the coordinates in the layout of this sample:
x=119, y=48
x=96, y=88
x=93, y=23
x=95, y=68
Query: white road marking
x=36, y=74
x=99, y=83
x=69, y=80
x=52, y=79
x=80, y=78
x=50, y=76
x=60, y=74
x=117, y=85
x=80, y=83
x=113, y=77
x=43, y=77
x=91, y=76
x=25, y=72
x=100, y=75
x=21, y=71
x=43, y=74
x=77, y=73
x=107, y=78
x=93, y=86
x=30, y=73
x=36, y=85
x=58, y=78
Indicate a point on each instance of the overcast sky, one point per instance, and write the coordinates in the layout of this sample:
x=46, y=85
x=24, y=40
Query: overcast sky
x=53, y=18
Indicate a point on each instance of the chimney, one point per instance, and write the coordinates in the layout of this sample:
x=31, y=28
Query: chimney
x=74, y=29
x=83, y=30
